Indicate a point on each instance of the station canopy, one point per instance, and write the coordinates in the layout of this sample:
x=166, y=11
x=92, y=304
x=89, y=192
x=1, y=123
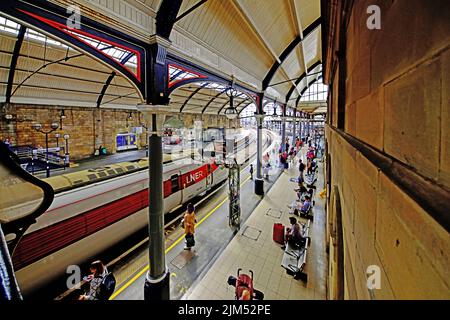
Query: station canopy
x=272, y=46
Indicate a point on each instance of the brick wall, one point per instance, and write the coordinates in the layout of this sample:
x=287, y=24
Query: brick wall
x=87, y=128
x=397, y=101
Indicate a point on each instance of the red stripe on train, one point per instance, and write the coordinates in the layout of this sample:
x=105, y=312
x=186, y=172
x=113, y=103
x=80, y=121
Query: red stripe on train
x=45, y=241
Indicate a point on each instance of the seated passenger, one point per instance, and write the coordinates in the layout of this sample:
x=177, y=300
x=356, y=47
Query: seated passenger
x=301, y=188
x=293, y=235
x=306, y=205
x=98, y=272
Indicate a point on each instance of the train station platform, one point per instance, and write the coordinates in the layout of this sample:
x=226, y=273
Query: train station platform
x=219, y=251
x=212, y=236
x=253, y=249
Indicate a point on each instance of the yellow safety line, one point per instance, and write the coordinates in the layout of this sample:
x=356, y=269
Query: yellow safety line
x=115, y=294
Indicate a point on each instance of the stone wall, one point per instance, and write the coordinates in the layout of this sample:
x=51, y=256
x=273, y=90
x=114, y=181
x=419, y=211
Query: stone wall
x=87, y=128
x=397, y=101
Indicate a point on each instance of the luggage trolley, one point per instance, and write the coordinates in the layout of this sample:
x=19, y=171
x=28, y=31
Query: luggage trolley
x=244, y=286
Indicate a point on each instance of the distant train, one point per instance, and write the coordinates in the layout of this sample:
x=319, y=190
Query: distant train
x=96, y=208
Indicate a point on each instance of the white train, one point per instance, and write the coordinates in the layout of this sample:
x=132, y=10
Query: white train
x=94, y=209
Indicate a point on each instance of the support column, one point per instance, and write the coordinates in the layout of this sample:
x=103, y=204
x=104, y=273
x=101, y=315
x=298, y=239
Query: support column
x=283, y=131
x=307, y=125
x=259, y=181
x=259, y=115
x=294, y=129
x=156, y=285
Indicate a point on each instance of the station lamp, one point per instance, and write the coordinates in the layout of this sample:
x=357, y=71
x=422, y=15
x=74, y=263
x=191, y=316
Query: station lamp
x=62, y=116
x=38, y=128
x=231, y=112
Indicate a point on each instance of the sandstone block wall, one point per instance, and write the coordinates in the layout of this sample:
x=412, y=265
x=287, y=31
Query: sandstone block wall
x=397, y=101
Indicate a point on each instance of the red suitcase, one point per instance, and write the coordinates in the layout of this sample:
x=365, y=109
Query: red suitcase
x=278, y=233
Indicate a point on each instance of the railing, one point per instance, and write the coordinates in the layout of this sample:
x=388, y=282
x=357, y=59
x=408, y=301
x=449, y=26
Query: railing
x=34, y=159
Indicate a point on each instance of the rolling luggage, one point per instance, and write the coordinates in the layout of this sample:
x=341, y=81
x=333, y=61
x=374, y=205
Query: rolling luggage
x=190, y=240
x=278, y=233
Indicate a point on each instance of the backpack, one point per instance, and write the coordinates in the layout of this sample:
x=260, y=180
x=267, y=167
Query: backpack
x=107, y=287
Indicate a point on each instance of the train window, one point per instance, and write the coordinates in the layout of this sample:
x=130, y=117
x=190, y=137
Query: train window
x=119, y=170
x=92, y=177
x=102, y=174
x=174, y=183
x=111, y=171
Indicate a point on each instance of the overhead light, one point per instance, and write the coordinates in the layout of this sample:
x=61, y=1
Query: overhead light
x=54, y=126
x=36, y=126
x=230, y=113
x=8, y=116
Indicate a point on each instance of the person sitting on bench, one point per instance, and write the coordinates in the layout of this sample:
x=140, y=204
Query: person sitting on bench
x=293, y=235
x=300, y=191
x=306, y=205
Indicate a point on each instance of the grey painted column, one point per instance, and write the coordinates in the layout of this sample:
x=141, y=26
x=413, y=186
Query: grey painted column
x=294, y=129
x=307, y=125
x=157, y=279
x=283, y=133
x=259, y=181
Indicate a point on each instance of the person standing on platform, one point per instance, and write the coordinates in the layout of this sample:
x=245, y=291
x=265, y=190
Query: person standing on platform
x=189, y=226
x=251, y=171
x=301, y=167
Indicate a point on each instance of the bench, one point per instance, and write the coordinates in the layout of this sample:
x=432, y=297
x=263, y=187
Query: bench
x=296, y=204
x=310, y=179
x=294, y=257
x=308, y=214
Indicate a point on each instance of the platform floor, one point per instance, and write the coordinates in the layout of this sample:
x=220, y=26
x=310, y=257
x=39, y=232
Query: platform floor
x=253, y=248
x=212, y=236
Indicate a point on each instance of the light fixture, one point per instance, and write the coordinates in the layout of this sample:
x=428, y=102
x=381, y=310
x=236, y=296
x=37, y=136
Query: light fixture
x=54, y=126
x=36, y=126
x=62, y=116
x=231, y=112
x=9, y=116
x=66, y=136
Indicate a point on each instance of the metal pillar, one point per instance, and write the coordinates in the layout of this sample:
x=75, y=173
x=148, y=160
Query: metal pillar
x=156, y=285
x=234, y=183
x=283, y=133
x=307, y=126
x=294, y=124
x=259, y=181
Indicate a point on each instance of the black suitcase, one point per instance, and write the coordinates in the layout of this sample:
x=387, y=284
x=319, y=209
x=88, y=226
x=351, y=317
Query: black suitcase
x=190, y=241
